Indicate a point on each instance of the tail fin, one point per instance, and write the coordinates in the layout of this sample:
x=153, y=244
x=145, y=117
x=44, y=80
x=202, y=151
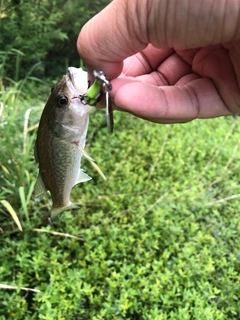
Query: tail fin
x=57, y=211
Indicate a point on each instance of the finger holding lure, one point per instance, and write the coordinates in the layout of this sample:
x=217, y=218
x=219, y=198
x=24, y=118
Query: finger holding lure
x=61, y=139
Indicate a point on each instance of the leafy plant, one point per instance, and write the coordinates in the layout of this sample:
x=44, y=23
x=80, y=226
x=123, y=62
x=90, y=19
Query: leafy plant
x=17, y=142
x=38, y=33
x=158, y=240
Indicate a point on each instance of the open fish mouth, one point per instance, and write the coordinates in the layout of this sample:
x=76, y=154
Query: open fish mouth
x=76, y=76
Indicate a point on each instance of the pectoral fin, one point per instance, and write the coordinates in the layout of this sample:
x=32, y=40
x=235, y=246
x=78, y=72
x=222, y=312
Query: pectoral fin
x=39, y=189
x=84, y=153
x=91, y=160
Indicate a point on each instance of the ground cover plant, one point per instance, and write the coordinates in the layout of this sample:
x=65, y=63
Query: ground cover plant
x=37, y=33
x=158, y=240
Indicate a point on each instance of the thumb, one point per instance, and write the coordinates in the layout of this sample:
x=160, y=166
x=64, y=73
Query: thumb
x=111, y=36
x=126, y=27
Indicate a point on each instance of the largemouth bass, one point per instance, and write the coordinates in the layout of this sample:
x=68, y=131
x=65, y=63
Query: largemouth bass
x=60, y=139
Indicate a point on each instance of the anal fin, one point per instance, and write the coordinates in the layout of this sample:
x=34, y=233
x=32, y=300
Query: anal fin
x=82, y=177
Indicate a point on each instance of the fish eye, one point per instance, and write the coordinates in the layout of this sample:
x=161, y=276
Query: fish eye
x=62, y=100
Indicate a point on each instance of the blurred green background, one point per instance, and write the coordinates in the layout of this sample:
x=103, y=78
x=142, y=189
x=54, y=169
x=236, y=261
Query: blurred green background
x=40, y=36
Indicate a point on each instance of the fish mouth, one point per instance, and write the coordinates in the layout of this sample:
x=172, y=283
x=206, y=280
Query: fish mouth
x=79, y=79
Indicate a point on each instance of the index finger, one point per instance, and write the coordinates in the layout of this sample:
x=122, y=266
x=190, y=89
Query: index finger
x=145, y=61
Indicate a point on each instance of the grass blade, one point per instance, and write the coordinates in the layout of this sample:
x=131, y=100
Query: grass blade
x=7, y=286
x=10, y=209
x=67, y=235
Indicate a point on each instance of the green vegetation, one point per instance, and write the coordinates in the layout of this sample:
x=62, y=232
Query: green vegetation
x=37, y=33
x=158, y=240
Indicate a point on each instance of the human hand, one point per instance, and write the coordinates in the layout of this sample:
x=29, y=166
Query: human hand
x=168, y=61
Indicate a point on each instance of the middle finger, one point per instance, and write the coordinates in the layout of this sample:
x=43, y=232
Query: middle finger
x=145, y=61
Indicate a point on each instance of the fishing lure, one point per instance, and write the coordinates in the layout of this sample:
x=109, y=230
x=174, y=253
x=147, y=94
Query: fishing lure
x=100, y=86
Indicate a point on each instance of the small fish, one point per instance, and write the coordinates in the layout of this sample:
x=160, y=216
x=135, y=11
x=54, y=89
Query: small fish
x=61, y=140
